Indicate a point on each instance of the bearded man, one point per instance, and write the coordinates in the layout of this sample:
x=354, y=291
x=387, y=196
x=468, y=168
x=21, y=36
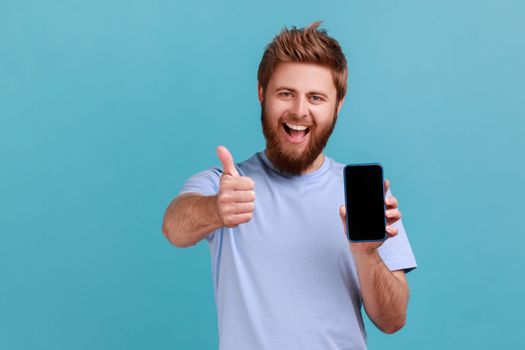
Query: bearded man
x=285, y=275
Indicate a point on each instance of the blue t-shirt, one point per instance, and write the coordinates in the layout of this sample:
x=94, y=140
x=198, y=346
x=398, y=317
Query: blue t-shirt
x=287, y=279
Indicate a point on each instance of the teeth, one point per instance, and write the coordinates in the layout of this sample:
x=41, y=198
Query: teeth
x=296, y=127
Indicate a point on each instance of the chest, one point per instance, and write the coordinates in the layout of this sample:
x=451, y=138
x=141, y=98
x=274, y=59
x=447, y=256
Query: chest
x=300, y=222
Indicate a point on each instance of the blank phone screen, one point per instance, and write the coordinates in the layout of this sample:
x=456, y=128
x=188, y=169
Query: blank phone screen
x=365, y=208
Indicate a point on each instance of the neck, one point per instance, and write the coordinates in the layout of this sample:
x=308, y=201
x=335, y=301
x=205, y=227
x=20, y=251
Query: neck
x=318, y=162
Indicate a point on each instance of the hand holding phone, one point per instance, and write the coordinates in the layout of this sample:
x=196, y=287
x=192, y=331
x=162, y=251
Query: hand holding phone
x=392, y=213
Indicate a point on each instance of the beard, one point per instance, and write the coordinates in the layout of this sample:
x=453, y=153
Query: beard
x=288, y=157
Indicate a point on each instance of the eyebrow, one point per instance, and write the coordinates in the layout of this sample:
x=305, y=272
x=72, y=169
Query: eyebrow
x=293, y=90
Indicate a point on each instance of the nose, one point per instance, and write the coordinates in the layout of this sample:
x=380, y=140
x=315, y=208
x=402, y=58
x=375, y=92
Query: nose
x=299, y=107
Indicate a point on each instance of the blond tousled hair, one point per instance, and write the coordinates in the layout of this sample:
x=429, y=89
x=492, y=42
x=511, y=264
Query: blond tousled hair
x=307, y=44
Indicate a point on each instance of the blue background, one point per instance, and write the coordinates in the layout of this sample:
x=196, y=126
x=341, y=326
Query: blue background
x=106, y=108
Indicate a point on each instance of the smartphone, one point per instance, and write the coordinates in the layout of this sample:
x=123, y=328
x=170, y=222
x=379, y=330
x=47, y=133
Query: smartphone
x=365, y=202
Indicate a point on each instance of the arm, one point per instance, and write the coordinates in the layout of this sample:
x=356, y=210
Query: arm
x=385, y=293
x=189, y=218
x=193, y=216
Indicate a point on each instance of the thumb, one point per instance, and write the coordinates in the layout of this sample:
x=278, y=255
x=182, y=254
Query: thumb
x=226, y=159
x=342, y=213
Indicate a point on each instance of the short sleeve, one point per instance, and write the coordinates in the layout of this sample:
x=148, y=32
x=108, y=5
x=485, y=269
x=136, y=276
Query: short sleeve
x=396, y=252
x=205, y=182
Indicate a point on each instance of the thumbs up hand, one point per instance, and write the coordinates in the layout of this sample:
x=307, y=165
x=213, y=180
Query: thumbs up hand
x=236, y=198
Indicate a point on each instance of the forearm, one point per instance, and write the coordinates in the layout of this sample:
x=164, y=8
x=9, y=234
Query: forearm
x=190, y=218
x=385, y=297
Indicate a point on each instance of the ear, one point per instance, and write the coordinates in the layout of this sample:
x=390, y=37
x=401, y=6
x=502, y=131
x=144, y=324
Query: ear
x=260, y=92
x=340, y=104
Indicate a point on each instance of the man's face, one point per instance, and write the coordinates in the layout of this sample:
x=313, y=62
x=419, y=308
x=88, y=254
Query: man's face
x=298, y=114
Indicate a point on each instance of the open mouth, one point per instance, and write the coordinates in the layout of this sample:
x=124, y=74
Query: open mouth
x=296, y=133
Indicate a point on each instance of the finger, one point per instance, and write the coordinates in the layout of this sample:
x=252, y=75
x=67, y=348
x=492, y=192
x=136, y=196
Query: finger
x=342, y=212
x=391, y=202
x=244, y=183
x=342, y=215
x=226, y=159
x=392, y=231
x=233, y=220
x=242, y=196
x=241, y=218
x=387, y=185
x=240, y=208
x=240, y=183
x=393, y=214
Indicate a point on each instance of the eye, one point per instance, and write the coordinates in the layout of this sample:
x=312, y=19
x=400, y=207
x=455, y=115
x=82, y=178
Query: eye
x=317, y=98
x=285, y=94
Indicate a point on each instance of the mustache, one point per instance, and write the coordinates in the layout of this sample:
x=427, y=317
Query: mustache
x=298, y=121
